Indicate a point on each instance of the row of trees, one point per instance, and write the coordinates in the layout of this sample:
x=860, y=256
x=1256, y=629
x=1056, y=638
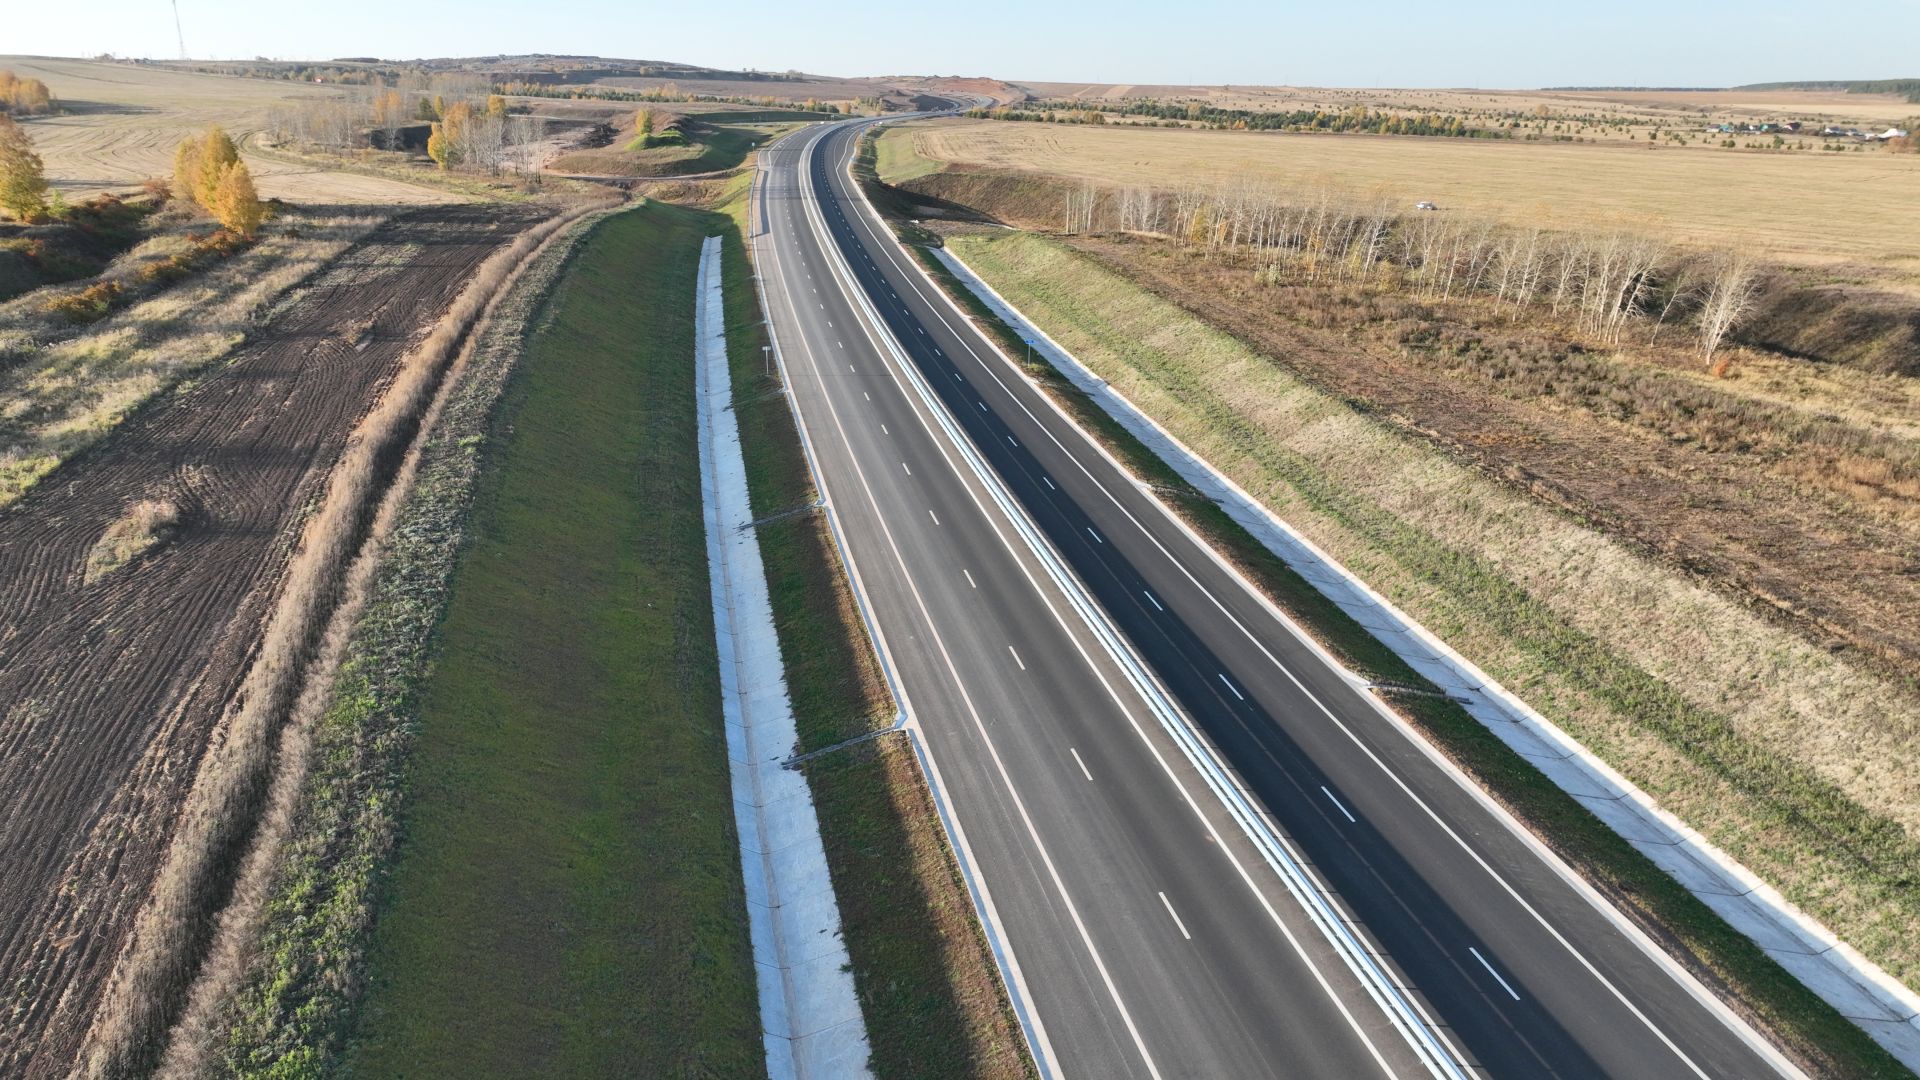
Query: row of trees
x=667, y=92
x=486, y=140
x=1606, y=283
x=207, y=170
x=24, y=97
x=1358, y=119
x=461, y=134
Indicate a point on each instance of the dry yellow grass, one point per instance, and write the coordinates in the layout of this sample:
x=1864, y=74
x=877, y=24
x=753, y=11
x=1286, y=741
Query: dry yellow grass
x=1803, y=207
x=122, y=122
x=143, y=526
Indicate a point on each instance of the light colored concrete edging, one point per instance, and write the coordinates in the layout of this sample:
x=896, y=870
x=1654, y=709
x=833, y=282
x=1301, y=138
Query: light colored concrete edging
x=809, y=1015
x=1864, y=993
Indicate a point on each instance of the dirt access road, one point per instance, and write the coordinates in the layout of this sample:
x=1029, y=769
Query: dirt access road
x=111, y=690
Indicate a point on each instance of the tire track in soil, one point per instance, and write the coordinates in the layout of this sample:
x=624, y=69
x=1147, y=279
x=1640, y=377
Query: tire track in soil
x=110, y=691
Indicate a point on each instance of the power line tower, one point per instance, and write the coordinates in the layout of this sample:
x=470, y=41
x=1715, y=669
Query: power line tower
x=178, y=34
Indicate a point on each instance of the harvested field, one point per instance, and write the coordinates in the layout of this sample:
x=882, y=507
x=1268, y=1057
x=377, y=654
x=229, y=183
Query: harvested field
x=112, y=689
x=124, y=120
x=1683, y=108
x=1801, y=208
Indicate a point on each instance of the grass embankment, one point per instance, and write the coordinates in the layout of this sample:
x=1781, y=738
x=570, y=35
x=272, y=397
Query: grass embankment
x=933, y=1002
x=567, y=897
x=563, y=904
x=291, y=1013
x=1686, y=754
x=703, y=149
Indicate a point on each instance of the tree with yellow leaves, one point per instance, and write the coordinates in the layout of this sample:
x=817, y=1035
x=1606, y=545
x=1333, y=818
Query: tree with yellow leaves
x=389, y=112
x=23, y=181
x=456, y=131
x=216, y=153
x=437, y=147
x=23, y=97
x=236, y=204
x=186, y=170
x=496, y=106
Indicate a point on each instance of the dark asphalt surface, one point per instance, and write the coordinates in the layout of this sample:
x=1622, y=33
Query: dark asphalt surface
x=1148, y=935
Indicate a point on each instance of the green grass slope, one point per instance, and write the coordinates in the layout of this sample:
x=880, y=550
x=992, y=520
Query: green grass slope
x=566, y=900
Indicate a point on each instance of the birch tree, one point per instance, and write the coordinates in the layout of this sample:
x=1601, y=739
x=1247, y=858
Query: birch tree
x=1730, y=298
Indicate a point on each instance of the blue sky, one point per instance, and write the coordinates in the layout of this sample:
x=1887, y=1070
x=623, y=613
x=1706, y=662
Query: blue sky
x=1492, y=43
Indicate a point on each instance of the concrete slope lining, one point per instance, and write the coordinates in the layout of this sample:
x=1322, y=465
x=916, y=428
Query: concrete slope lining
x=810, y=1017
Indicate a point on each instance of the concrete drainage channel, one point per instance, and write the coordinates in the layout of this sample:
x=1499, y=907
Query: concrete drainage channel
x=809, y=1015
x=1859, y=989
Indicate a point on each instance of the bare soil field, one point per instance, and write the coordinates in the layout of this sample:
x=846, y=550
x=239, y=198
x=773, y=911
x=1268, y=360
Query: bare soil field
x=1830, y=104
x=1857, y=215
x=112, y=684
x=121, y=123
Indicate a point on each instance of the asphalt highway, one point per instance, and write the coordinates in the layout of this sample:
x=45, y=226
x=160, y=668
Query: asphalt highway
x=1202, y=849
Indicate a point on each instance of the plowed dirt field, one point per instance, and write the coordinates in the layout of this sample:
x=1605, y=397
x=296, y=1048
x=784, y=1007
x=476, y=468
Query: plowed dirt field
x=111, y=689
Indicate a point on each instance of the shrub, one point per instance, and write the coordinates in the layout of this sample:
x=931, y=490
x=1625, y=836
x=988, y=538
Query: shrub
x=90, y=304
x=23, y=97
x=217, y=152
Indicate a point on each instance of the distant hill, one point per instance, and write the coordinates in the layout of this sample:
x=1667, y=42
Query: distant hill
x=1649, y=89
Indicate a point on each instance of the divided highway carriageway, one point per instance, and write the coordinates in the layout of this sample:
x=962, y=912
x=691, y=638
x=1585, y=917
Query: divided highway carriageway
x=1201, y=850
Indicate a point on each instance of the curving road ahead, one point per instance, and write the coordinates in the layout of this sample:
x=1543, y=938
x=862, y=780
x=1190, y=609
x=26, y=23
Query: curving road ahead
x=1202, y=850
